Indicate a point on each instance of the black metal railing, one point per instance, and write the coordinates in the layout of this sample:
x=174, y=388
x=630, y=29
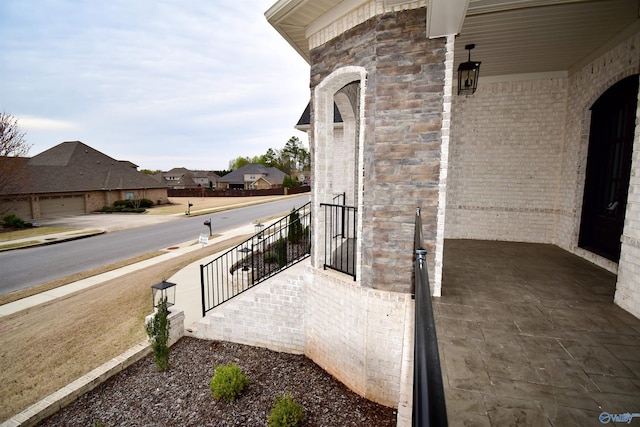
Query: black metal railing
x=340, y=236
x=263, y=255
x=429, y=407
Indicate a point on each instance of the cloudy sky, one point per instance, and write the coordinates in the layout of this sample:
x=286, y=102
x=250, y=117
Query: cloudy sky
x=162, y=83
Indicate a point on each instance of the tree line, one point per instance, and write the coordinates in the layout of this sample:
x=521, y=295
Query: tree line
x=294, y=156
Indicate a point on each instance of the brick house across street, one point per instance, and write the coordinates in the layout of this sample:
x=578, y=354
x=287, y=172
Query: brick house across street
x=252, y=176
x=546, y=151
x=181, y=178
x=73, y=178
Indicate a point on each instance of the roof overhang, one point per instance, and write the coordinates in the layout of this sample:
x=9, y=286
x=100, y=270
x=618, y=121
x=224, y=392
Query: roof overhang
x=512, y=37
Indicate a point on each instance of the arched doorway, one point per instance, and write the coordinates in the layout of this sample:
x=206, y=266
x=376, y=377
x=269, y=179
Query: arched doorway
x=608, y=169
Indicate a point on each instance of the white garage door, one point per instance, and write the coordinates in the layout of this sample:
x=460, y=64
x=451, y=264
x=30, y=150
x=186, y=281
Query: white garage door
x=53, y=207
x=19, y=207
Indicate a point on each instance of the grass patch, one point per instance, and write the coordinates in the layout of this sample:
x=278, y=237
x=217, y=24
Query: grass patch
x=47, y=286
x=46, y=347
x=32, y=232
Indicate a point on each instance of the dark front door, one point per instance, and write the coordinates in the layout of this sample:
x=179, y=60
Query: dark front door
x=608, y=169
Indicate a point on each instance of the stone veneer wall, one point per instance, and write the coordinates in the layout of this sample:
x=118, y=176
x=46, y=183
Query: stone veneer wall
x=401, y=151
x=359, y=331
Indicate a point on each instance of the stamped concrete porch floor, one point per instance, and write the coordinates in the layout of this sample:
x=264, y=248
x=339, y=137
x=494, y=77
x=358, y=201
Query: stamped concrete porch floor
x=529, y=335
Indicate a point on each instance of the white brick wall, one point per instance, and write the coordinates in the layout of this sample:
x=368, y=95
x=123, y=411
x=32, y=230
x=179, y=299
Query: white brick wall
x=269, y=315
x=359, y=335
x=518, y=154
x=628, y=286
x=504, y=162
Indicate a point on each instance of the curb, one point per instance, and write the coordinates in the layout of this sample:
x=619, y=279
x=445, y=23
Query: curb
x=52, y=242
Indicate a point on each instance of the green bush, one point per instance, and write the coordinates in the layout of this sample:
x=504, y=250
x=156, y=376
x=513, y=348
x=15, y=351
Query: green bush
x=13, y=221
x=121, y=208
x=286, y=412
x=281, y=252
x=158, y=332
x=228, y=382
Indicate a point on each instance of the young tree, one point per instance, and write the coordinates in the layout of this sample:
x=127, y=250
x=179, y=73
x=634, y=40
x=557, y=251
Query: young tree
x=239, y=162
x=13, y=149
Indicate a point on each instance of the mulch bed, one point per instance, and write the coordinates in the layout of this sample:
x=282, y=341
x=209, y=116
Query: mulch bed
x=141, y=396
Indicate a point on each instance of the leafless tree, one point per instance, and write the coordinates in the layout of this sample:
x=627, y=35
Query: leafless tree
x=13, y=149
x=12, y=142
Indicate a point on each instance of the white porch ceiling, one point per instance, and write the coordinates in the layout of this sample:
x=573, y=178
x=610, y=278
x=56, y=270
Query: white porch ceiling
x=511, y=36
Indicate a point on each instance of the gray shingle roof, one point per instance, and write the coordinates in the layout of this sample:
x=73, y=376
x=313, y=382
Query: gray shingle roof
x=274, y=175
x=74, y=166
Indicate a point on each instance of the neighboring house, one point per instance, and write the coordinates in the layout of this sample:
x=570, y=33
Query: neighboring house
x=181, y=178
x=73, y=178
x=253, y=176
x=546, y=151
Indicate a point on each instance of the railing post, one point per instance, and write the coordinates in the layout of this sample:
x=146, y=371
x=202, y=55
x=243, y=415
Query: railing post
x=202, y=290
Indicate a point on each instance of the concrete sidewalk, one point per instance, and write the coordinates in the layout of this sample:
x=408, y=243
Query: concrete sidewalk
x=187, y=279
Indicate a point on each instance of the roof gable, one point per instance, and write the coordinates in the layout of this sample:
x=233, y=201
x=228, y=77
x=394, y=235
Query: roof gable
x=74, y=166
x=275, y=175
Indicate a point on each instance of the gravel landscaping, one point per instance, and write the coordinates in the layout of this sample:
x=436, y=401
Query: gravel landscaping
x=141, y=396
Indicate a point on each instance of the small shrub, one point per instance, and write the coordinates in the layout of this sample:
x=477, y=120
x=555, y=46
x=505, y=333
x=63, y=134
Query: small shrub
x=158, y=332
x=286, y=412
x=145, y=203
x=228, y=382
x=13, y=221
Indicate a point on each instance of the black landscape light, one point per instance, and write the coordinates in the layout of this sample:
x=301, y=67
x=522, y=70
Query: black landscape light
x=468, y=73
x=259, y=228
x=245, y=251
x=164, y=291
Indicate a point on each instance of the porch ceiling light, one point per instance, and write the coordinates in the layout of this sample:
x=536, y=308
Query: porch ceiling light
x=468, y=73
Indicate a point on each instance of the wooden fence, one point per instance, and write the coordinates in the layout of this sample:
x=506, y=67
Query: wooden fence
x=205, y=192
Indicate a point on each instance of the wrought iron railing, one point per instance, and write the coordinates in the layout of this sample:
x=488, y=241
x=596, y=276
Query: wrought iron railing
x=340, y=236
x=429, y=407
x=268, y=252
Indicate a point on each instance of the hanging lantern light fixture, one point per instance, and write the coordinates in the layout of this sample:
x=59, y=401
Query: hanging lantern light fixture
x=468, y=73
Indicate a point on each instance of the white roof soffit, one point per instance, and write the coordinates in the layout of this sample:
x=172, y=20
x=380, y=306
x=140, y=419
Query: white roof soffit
x=445, y=17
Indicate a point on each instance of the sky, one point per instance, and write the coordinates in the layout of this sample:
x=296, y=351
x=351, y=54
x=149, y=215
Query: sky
x=161, y=83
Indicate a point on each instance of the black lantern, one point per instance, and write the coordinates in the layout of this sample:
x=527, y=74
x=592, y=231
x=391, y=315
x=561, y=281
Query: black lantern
x=245, y=251
x=164, y=291
x=259, y=228
x=468, y=73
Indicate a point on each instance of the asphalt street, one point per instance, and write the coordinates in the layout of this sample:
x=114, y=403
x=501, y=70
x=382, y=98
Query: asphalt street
x=24, y=268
